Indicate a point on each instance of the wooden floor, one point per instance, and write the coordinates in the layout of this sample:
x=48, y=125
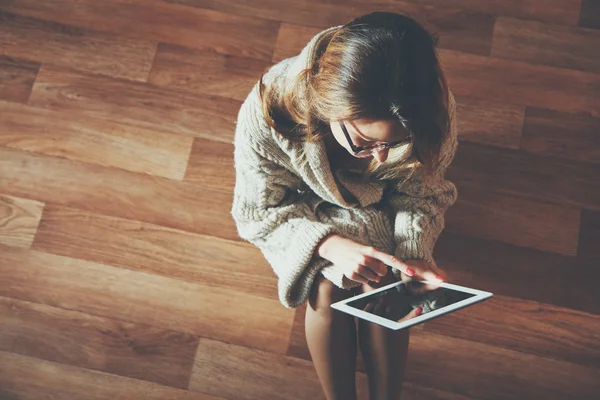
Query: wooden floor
x=121, y=273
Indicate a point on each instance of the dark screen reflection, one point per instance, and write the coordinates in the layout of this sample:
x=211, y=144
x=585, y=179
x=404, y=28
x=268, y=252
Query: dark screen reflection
x=397, y=302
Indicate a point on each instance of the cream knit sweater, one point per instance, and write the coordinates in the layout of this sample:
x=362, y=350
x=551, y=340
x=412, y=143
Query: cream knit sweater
x=285, y=206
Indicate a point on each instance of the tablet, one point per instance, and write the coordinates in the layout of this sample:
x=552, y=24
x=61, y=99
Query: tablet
x=394, y=305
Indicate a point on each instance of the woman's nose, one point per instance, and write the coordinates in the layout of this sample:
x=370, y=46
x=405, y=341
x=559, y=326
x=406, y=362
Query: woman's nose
x=381, y=155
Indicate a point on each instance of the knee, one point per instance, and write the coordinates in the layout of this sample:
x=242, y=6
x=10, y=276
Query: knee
x=324, y=293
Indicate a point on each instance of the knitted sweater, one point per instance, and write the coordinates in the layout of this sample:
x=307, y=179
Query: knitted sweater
x=286, y=203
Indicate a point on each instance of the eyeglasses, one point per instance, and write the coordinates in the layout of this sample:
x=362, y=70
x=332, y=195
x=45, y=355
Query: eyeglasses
x=366, y=150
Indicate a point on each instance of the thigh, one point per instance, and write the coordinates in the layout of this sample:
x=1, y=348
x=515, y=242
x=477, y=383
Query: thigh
x=324, y=293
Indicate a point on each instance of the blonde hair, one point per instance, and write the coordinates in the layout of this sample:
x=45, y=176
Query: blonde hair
x=381, y=66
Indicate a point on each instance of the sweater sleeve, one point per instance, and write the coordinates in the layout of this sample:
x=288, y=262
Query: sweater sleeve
x=419, y=208
x=270, y=213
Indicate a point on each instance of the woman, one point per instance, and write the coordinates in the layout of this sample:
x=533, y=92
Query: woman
x=340, y=155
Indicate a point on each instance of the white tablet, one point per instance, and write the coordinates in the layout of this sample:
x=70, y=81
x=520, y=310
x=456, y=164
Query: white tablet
x=393, y=305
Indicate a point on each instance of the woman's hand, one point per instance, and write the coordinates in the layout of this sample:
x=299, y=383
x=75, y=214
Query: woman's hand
x=359, y=263
x=425, y=271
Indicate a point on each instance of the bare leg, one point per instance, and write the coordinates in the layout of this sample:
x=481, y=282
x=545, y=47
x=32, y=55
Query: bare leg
x=384, y=353
x=331, y=339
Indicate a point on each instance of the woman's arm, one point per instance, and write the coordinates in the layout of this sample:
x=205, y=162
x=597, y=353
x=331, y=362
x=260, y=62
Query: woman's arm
x=269, y=213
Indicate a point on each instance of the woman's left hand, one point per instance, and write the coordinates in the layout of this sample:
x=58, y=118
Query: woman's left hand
x=425, y=271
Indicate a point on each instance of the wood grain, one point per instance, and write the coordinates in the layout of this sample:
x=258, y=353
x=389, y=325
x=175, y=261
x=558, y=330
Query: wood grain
x=569, y=136
x=589, y=16
x=158, y=301
x=489, y=122
x=16, y=78
x=526, y=326
x=26, y=378
x=289, y=378
x=77, y=48
x=211, y=164
x=521, y=83
x=546, y=44
x=587, y=253
x=560, y=11
x=138, y=104
x=463, y=367
x=118, y=253
x=205, y=72
x=527, y=274
x=516, y=221
x=158, y=21
x=291, y=39
x=110, y=191
x=155, y=249
x=19, y=219
x=460, y=29
x=121, y=348
x=539, y=178
x=411, y=391
x=75, y=136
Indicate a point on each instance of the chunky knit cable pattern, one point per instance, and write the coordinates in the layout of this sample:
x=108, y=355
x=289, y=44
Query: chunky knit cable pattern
x=285, y=204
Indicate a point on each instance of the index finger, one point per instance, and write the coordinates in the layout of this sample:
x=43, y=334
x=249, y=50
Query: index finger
x=392, y=261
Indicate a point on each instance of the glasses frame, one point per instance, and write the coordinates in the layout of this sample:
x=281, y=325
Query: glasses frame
x=369, y=149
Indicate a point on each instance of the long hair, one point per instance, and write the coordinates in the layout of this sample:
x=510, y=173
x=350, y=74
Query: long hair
x=380, y=66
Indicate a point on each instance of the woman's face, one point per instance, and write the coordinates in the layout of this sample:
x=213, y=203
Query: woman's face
x=368, y=133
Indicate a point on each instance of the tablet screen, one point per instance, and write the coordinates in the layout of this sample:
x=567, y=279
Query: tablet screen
x=397, y=302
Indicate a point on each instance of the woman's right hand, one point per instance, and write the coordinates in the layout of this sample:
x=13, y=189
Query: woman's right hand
x=359, y=263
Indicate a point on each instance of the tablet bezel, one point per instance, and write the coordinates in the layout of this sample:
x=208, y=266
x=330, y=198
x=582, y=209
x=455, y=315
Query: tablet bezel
x=479, y=296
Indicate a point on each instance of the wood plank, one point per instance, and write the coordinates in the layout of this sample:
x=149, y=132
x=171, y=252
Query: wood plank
x=289, y=378
x=78, y=48
x=489, y=122
x=16, y=78
x=512, y=271
x=137, y=297
x=588, y=253
x=158, y=21
x=527, y=326
x=464, y=367
x=77, y=137
x=110, y=191
x=517, y=221
x=27, y=378
x=589, y=16
x=121, y=348
x=546, y=44
x=19, y=219
x=521, y=83
x=559, y=11
x=291, y=39
x=207, y=72
x=155, y=249
x=553, y=133
x=411, y=391
x=138, y=104
x=211, y=164
x=516, y=173
x=468, y=31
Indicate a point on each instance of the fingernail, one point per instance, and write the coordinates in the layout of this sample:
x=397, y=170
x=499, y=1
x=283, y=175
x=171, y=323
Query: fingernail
x=439, y=278
x=419, y=311
x=410, y=271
